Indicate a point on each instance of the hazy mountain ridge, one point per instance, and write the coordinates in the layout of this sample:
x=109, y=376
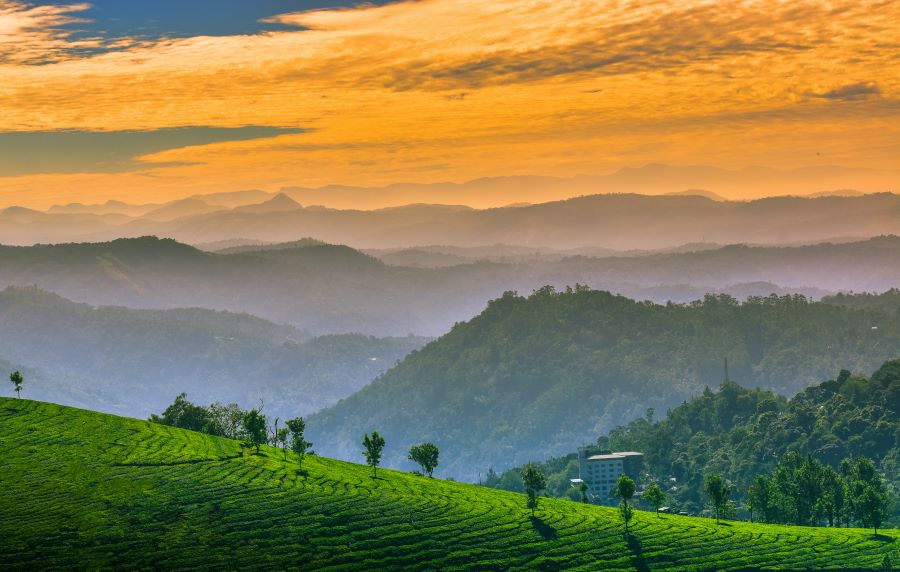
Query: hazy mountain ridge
x=136, y=361
x=621, y=222
x=331, y=289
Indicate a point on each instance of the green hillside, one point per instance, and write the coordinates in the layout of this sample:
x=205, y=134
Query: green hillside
x=86, y=490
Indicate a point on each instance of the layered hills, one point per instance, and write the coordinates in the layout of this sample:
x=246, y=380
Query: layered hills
x=136, y=361
x=330, y=289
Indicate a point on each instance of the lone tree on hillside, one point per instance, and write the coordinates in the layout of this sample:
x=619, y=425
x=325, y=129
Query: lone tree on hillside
x=374, y=447
x=655, y=495
x=17, y=380
x=868, y=493
x=255, y=429
x=299, y=445
x=534, y=482
x=624, y=491
x=719, y=492
x=426, y=456
x=584, y=489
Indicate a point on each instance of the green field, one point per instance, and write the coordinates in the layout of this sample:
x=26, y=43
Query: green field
x=85, y=490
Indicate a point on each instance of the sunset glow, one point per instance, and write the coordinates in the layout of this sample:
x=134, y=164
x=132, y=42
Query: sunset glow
x=452, y=90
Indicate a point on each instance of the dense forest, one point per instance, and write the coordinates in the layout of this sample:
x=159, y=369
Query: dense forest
x=744, y=434
x=534, y=377
x=136, y=361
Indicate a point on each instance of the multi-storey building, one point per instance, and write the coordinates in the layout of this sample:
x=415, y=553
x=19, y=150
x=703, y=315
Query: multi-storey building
x=601, y=471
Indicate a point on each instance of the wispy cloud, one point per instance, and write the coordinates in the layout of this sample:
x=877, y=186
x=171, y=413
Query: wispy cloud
x=40, y=35
x=852, y=92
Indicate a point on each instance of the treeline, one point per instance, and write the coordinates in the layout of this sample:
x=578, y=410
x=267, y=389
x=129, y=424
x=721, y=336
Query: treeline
x=254, y=429
x=806, y=492
x=748, y=434
x=250, y=426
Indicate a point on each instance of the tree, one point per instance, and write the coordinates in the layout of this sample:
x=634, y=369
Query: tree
x=624, y=491
x=758, y=498
x=868, y=493
x=281, y=436
x=255, y=428
x=228, y=418
x=186, y=415
x=426, y=456
x=834, y=496
x=534, y=482
x=299, y=445
x=17, y=381
x=374, y=446
x=872, y=506
x=655, y=496
x=584, y=489
x=719, y=492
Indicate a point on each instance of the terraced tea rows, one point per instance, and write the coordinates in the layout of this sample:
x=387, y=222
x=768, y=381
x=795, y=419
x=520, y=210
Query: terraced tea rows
x=86, y=490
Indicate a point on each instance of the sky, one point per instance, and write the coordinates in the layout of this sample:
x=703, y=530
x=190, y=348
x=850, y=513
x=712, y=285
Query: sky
x=153, y=100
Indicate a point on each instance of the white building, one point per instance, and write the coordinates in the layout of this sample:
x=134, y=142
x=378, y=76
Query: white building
x=601, y=471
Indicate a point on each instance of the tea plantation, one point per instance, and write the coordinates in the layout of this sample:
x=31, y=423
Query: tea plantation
x=91, y=491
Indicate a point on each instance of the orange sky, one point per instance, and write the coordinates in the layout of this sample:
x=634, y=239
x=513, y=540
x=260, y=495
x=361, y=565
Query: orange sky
x=451, y=90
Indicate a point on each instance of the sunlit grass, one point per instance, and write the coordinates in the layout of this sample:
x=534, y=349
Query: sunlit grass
x=87, y=490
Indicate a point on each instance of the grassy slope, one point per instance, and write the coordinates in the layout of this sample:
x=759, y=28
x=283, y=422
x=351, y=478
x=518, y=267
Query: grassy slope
x=87, y=490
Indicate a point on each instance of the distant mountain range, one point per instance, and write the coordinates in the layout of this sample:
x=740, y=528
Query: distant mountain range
x=331, y=289
x=610, y=222
x=135, y=362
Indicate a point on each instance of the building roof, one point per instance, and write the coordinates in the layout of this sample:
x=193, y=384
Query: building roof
x=614, y=456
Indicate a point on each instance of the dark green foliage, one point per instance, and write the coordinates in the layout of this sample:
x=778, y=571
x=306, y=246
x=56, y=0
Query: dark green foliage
x=533, y=482
x=538, y=376
x=83, y=490
x=17, y=380
x=374, y=448
x=719, y=492
x=184, y=414
x=255, y=429
x=655, y=496
x=299, y=445
x=426, y=456
x=747, y=434
x=869, y=497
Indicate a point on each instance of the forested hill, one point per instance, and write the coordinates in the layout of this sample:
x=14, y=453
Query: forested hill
x=535, y=377
x=742, y=433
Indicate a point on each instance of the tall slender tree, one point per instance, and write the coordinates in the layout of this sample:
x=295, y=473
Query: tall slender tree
x=17, y=381
x=299, y=445
x=655, y=496
x=719, y=492
x=374, y=446
x=534, y=482
x=625, y=491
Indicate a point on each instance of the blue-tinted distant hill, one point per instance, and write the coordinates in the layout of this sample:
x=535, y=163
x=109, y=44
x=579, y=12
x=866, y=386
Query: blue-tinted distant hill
x=327, y=289
x=136, y=361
